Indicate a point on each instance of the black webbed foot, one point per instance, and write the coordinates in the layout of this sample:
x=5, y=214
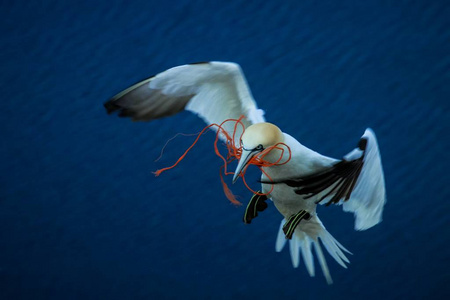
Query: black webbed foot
x=293, y=222
x=257, y=203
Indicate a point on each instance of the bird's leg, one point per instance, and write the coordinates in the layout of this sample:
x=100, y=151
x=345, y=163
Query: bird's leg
x=257, y=203
x=293, y=222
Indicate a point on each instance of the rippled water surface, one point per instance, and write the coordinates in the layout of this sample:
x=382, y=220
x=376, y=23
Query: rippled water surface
x=83, y=217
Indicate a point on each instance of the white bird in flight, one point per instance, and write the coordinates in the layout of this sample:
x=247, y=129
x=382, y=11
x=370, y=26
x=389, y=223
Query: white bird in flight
x=294, y=177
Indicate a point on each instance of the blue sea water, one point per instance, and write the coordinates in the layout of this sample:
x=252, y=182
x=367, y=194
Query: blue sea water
x=83, y=217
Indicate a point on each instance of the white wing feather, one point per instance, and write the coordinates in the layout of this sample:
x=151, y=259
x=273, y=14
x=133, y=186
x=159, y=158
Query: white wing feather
x=221, y=92
x=216, y=91
x=357, y=182
x=369, y=196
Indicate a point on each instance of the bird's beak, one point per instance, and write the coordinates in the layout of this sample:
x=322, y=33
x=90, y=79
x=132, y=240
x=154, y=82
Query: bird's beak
x=243, y=161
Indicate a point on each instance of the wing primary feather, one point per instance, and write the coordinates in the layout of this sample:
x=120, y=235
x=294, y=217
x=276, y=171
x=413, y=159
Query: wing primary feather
x=309, y=186
x=355, y=179
x=141, y=103
x=215, y=91
x=328, y=194
x=337, y=181
x=131, y=88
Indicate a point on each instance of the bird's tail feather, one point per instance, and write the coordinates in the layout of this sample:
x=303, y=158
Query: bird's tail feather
x=308, y=233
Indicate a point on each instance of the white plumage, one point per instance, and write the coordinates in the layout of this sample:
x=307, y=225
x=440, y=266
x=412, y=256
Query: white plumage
x=218, y=91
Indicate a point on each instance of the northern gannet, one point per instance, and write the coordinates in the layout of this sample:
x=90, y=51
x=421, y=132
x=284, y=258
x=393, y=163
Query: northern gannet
x=294, y=177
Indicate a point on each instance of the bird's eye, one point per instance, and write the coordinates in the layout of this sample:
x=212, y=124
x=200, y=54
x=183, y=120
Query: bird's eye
x=259, y=147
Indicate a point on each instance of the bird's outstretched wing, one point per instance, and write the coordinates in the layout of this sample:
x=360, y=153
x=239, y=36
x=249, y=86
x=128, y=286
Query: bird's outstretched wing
x=216, y=91
x=357, y=182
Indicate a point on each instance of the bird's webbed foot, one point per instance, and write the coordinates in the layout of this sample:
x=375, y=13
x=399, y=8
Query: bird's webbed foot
x=293, y=222
x=257, y=203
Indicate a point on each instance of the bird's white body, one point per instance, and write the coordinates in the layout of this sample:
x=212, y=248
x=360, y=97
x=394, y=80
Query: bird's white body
x=218, y=91
x=303, y=161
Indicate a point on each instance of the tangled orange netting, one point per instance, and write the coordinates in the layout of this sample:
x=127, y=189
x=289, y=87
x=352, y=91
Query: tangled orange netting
x=234, y=153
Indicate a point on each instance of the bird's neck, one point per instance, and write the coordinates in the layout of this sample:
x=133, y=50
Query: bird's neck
x=288, y=162
x=303, y=161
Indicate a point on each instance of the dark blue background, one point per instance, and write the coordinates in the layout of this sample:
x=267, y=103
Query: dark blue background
x=82, y=216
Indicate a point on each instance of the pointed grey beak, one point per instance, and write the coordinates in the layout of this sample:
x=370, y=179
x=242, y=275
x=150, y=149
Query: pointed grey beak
x=243, y=161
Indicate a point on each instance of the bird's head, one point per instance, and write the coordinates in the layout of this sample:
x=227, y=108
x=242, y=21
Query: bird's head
x=257, y=138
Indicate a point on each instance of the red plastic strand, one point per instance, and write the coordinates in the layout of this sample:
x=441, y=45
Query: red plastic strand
x=234, y=153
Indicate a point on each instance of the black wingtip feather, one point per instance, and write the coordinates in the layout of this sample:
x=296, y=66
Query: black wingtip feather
x=111, y=107
x=340, y=179
x=362, y=144
x=200, y=63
